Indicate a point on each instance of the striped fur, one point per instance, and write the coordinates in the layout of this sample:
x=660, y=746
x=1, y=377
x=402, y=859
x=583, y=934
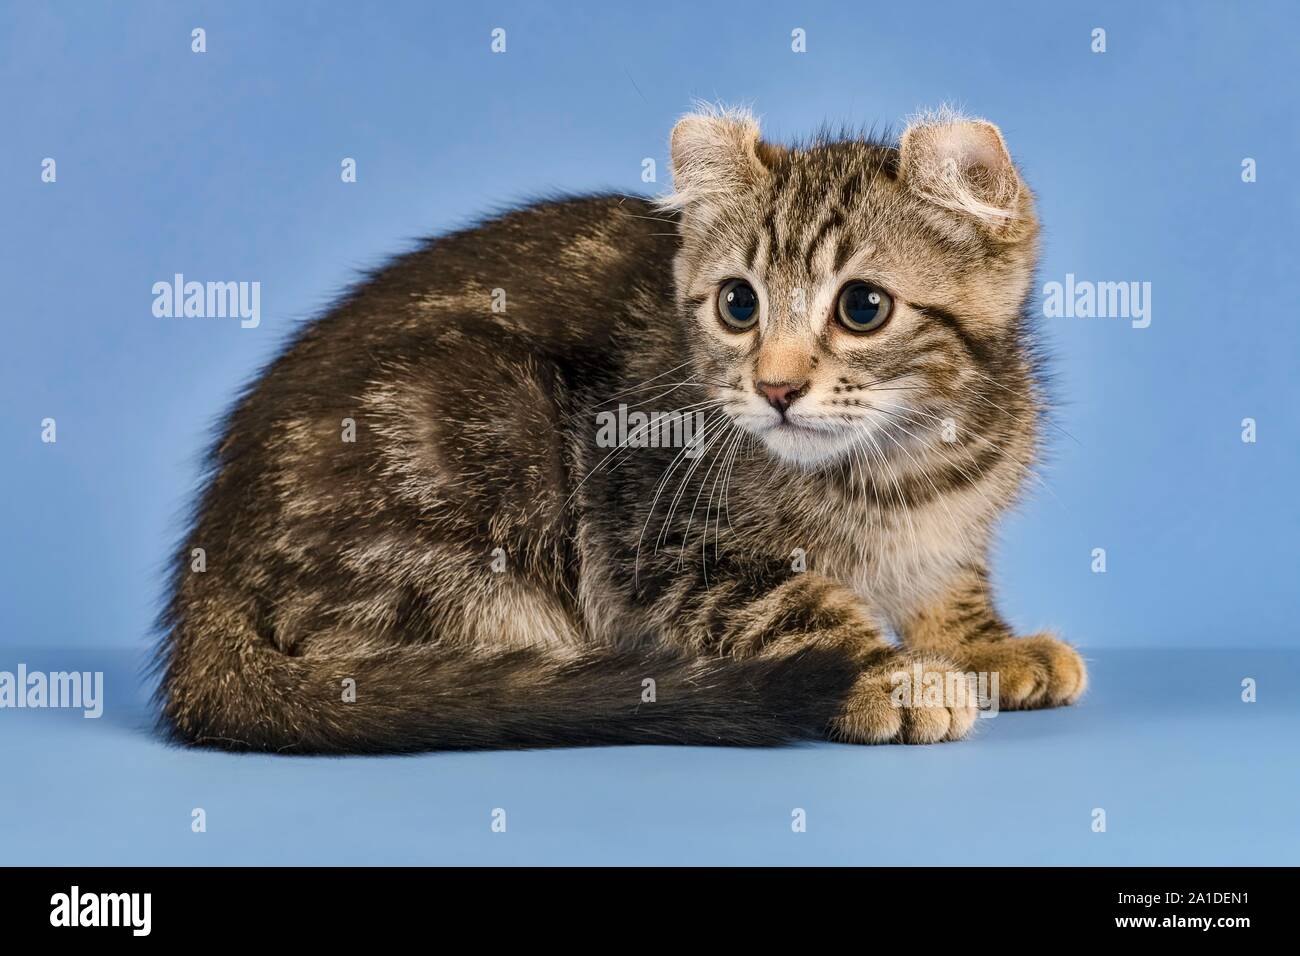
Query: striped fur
x=475, y=571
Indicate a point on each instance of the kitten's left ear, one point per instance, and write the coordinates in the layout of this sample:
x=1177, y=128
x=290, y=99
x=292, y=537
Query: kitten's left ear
x=963, y=166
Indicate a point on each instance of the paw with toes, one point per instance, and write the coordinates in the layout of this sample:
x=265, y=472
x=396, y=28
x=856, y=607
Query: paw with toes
x=1033, y=672
x=908, y=700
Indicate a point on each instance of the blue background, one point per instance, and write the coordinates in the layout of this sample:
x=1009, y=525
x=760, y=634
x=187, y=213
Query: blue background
x=225, y=166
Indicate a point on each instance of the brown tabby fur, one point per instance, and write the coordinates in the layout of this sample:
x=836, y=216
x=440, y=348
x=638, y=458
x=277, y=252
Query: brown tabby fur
x=484, y=575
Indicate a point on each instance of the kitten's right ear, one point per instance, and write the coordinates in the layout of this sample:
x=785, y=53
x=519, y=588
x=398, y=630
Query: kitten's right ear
x=714, y=155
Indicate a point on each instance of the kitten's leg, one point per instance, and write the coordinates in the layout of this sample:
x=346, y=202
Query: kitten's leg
x=764, y=614
x=1035, y=671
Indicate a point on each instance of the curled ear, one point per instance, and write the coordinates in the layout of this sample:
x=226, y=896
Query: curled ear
x=714, y=154
x=962, y=165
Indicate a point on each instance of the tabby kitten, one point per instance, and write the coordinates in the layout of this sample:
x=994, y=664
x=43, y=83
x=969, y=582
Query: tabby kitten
x=415, y=541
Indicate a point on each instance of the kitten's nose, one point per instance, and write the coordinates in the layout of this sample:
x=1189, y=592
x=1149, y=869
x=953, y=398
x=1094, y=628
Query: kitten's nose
x=781, y=395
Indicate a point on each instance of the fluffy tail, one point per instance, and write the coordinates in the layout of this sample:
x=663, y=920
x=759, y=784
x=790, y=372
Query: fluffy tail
x=249, y=696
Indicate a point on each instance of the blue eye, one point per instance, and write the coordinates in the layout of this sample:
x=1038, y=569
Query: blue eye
x=863, y=307
x=738, y=305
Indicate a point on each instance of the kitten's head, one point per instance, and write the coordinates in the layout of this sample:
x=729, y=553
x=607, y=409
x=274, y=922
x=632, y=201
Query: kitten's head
x=850, y=292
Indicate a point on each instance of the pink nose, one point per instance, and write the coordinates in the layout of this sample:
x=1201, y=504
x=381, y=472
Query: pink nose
x=781, y=395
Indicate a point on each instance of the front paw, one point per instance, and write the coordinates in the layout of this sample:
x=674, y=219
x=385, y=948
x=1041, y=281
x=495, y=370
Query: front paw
x=1033, y=672
x=908, y=700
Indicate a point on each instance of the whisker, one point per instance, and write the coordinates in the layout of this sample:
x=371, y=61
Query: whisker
x=690, y=520
x=1045, y=418
x=1028, y=468
x=681, y=485
x=659, y=490
x=624, y=444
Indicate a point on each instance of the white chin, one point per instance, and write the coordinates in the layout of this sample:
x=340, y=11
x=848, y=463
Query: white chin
x=805, y=447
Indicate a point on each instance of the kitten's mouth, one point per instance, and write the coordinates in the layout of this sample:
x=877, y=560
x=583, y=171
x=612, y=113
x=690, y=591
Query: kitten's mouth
x=786, y=423
x=805, y=443
x=788, y=427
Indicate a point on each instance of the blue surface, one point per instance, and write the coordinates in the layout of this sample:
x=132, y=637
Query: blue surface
x=1186, y=772
x=225, y=166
